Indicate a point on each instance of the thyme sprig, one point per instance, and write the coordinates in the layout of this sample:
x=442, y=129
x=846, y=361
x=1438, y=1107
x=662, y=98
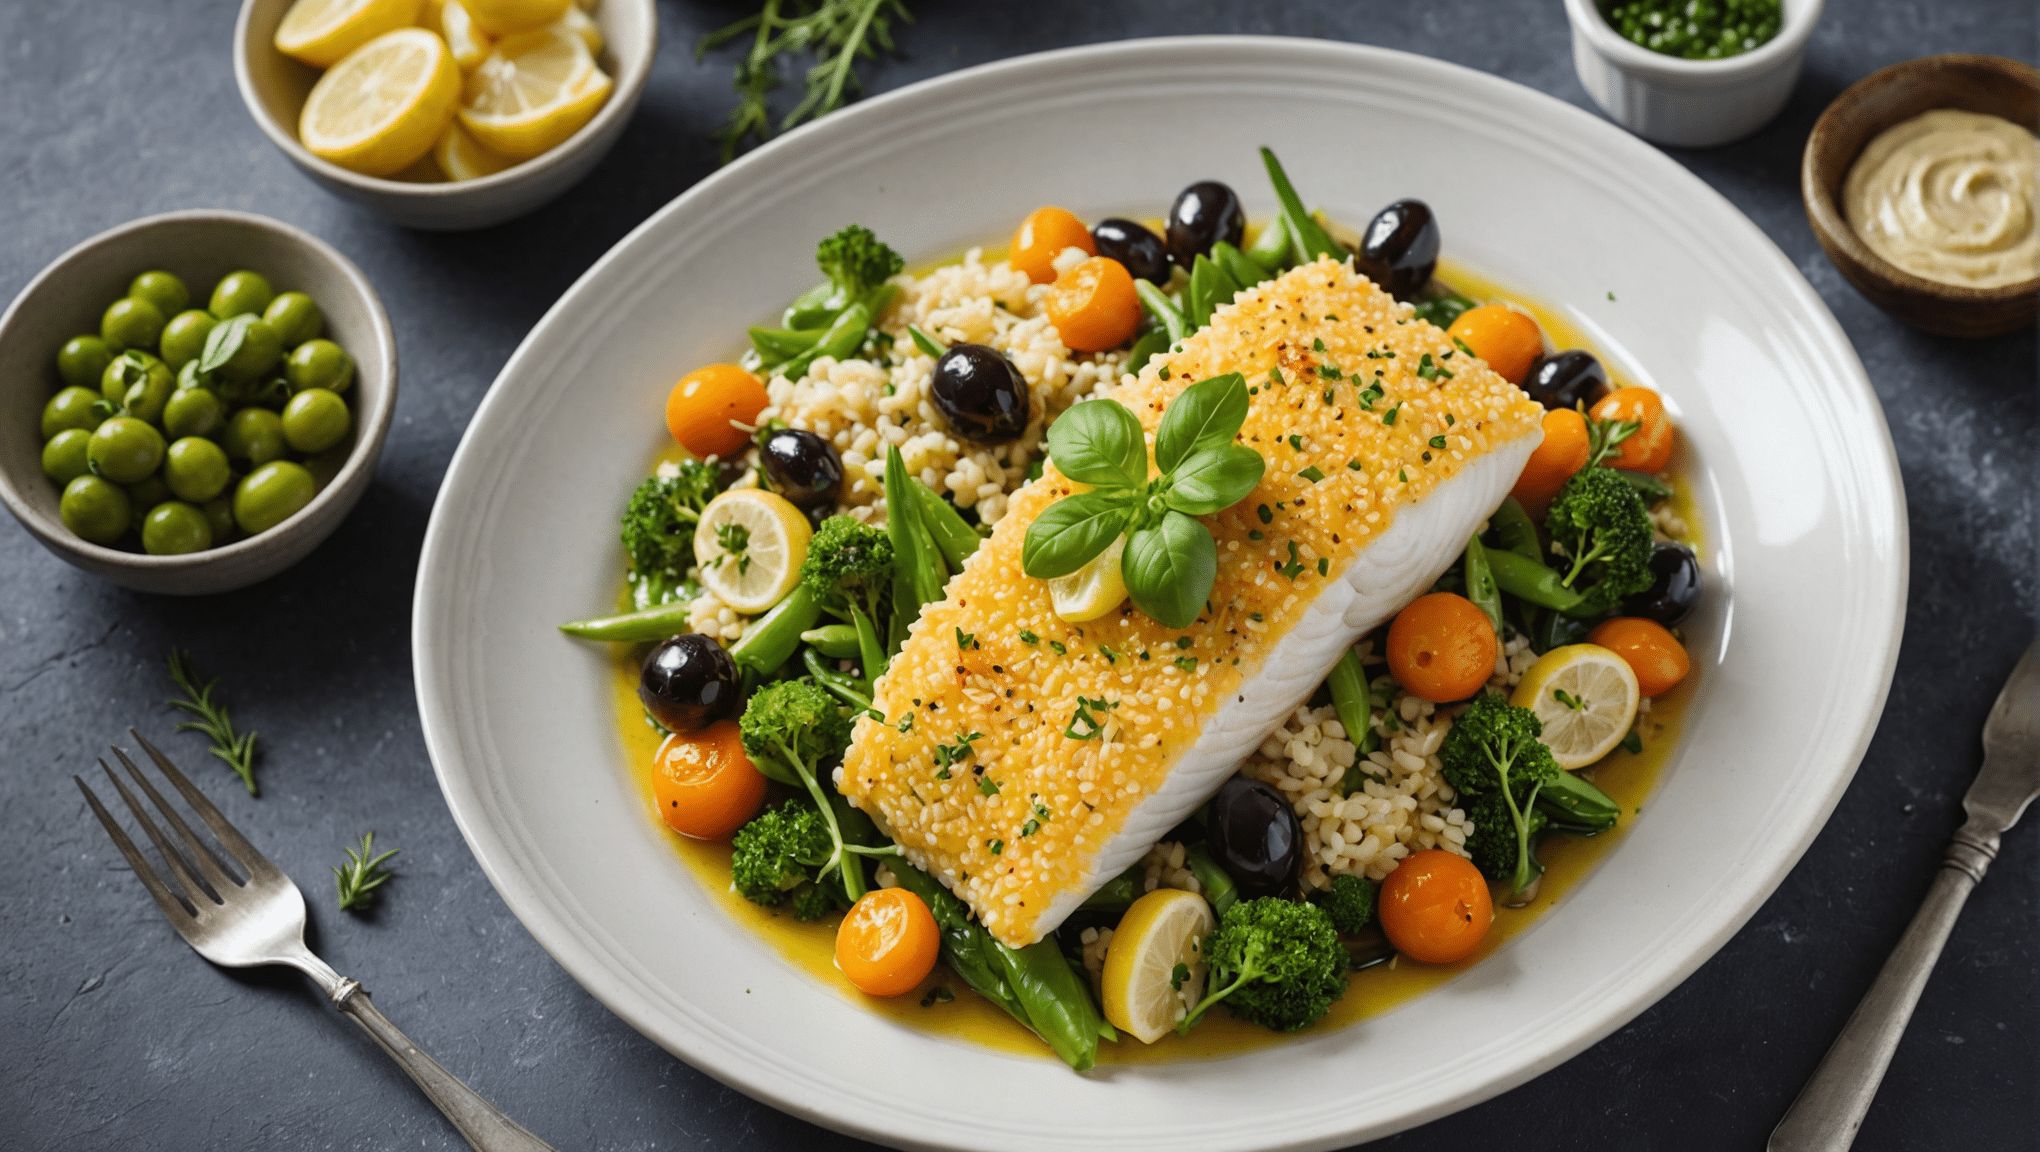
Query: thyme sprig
x=363, y=873
x=236, y=749
x=836, y=32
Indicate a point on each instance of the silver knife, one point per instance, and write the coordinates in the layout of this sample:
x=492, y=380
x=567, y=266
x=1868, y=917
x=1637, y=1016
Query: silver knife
x=1830, y=1108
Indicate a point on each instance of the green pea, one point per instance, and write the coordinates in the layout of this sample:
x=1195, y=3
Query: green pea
x=239, y=292
x=296, y=318
x=71, y=410
x=162, y=289
x=96, y=509
x=254, y=435
x=194, y=412
x=174, y=529
x=315, y=420
x=124, y=450
x=272, y=494
x=145, y=398
x=184, y=337
x=83, y=360
x=319, y=364
x=63, y=458
x=219, y=512
x=259, y=353
x=131, y=322
x=196, y=469
x=124, y=372
x=143, y=497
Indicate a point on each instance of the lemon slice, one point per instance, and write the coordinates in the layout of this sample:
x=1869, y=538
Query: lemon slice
x=385, y=105
x=321, y=32
x=460, y=158
x=579, y=23
x=534, y=90
x=1093, y=590
x=507, y=17
x=1586, y=697
x=1143, y=991
x=470, y=44
x=750, y=544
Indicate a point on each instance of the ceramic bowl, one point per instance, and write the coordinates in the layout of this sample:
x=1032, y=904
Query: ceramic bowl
x=274, y=87
x=1688, y=103
x=1989, y=84
x=67, y=298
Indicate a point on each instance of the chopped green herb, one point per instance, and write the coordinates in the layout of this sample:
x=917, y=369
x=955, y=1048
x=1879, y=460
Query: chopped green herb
x=1256, y=534
x=237, y=750
x=1275, y=376
x=907, y=722
x=1056, y=647
x=1266, y=516
x=1296, y=442
x=1632, y=743
x=1317, y=345
x=1569, y=700
x=1312, y=474
x=965, y=640
x=1030, y=828
x=997, y=846
x=1177, y=975
x=1111, y=656
x=988, y=786
x=1027, y=636
x=1187, y=663
x=1324, y=566
x=1355, y=465
x=1083, y=724
x=1388, y=417
x=1164, y=373
x=1437, y=441
x=363, y=873
x=1295, y=566
x=947, y=754
x=1184, y=642
x=1403, y=475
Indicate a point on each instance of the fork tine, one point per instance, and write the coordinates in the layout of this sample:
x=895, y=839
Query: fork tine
x=200, y=898
x=180, y=916
x=197, y=851
x=236, y=844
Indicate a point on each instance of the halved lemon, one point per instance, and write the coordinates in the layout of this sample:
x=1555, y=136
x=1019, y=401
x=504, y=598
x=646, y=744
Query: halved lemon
x=1155, y=966
x=1585, y=696
x=460, y=158
x=534, y=90
x=508, y=17
x=1093, y=590
x=470, y=44
x=385, y=105
x=321, y=32
x=750, y=544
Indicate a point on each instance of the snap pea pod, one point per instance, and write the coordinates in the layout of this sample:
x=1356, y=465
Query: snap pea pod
x=917, y=564
x=847, y=687
x=1309, y=238
x=1242, y=271
x=1270, y=249
x=1057, y=1005
x=1219, y=890
x=777, y=345
x=1531, y=582
x=1210, y=286
x=777, y=633
x=1480, y=583
x=952, y=534
x=838, y=341
x=1576, y=805
x=1144, y=349
x=1118, y=894
x=966, y=946
x=836, y=641
x=812, y=309
x=1356, y=713
x=1163, y=309
x=1513, y=531
x=654, y=623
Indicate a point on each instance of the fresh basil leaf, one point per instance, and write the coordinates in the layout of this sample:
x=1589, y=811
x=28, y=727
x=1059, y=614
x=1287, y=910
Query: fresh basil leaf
x=1169, y=570
x=1099, y=442
x=1216, y=478
x=190, y=377
x=1073, y=530
x=1208, y=414
x=225, y=340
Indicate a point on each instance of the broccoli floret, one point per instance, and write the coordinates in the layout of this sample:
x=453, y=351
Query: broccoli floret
x=849, y=568
x=1497, y=848
x=780, y=850
x=1275, y=962
x=1494, y=758
x=658, y=529
x=856, y=261
x=790, y=729
x=1606, y=531
x=1349, y=902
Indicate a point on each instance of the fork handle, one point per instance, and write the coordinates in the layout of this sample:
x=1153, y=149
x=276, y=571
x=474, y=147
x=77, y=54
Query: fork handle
x=1831, y=1107
x=485, y=1127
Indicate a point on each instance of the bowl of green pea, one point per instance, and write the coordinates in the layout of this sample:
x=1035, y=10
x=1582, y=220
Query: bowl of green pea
x=191, y=402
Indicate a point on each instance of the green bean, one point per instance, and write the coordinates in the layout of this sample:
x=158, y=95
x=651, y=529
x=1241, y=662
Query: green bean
x=917, y=565
x=1271, y=247
x=1531, y=582
x=870, y=646
x=1237, y=267
x=1219, y=890
x=1310, y=240
x=1575, y=805
x=777, y=633
x=952, y=534
x=838, y=341
x=966, y=946
x=655, y=623
x=1356, y=713
x=847, y=687
x=1164, y=310
x=836, y=641
x=1480, y=583
x=1512, y=530
x=1144, y=349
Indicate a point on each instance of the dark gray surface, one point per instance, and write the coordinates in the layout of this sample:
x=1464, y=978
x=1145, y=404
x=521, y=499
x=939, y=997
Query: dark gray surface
x=116, y=1036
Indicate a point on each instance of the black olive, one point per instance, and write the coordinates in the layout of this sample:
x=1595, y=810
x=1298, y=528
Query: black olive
x=1400, y=248
x=1674, y=588
x=1205, y=213
x=1141, y=251
x=1565, y=379
x=689, y=682
x=981, y=394
x=1254, y=835
x=804, y=467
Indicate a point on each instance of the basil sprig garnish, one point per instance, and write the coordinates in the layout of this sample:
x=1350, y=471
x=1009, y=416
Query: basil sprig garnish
x=225, y=340
x=1170, y=560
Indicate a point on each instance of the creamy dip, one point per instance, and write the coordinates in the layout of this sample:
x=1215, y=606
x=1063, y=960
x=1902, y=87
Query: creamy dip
x=1948, y=195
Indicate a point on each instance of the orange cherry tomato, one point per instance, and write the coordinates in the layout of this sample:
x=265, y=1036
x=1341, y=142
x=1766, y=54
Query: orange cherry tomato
x=1441, y=647
x=1093, y=306
x=1563, y=453
x=1508, y=340
x=1042, y=237
x=702, y=404
x=1649, y=448
x=887, y=943
x=705, y=786
x=1435, y=907
x=1650, y=650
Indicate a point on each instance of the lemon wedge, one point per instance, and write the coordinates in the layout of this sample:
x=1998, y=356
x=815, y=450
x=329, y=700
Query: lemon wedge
x=532, y=92
x=321, y=32
x=470, y=44
x=579, y=23
x=1154, y=966
x=1585, y=696
x=508, y=17
x=1093, y=590
x=750, y=544
x=385, y=105
x=460, y=158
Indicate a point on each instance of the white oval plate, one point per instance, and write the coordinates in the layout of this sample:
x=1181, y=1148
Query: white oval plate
x=1793, y=649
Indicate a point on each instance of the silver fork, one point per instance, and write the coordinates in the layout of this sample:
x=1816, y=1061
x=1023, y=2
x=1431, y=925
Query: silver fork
x=259, y=918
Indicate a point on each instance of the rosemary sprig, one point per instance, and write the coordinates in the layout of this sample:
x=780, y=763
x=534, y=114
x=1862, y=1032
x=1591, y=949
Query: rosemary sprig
x=357, y=880
x=236, y=749
x=836, y=32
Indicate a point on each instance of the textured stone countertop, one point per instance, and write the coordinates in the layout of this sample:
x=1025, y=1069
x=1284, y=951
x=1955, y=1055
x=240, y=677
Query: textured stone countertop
x=117, y=1037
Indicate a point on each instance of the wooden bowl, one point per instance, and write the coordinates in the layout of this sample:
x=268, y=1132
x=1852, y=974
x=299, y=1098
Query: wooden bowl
x=1988, y=84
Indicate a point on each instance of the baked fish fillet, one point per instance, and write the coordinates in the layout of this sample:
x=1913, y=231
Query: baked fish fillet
x=1025, y=761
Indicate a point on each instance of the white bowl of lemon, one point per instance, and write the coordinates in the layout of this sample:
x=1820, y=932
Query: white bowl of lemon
x=444, y=114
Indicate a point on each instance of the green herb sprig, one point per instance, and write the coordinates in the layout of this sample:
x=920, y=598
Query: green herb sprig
x=1604, y=436
x=836, y=32
x=363, y=873
x=237, y=750
x=1171, y=560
